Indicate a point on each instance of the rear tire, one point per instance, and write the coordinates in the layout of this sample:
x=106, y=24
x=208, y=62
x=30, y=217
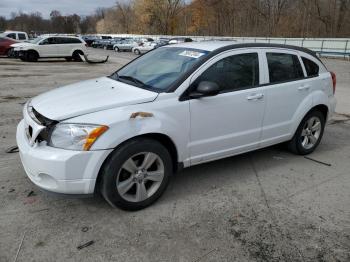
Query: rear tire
x=76, y=56
x=309, y=134
x=116, y=49
x=137, y=52
x=136, y=174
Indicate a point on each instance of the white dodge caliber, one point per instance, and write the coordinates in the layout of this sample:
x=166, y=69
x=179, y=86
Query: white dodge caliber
x=176, y=106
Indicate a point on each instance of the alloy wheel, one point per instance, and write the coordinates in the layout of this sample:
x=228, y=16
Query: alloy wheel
x=311, y=132
x=140, y=177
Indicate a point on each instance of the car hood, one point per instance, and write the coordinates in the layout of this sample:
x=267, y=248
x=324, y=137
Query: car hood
x=89, y=96
x=22, y=44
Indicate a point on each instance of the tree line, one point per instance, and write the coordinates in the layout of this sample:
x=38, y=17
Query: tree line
x=272, y=18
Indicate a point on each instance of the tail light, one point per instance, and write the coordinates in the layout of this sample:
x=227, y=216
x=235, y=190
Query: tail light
x=334, y=80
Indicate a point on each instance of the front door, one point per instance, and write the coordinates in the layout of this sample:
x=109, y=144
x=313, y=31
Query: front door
x=48, y=47
x=230, y=122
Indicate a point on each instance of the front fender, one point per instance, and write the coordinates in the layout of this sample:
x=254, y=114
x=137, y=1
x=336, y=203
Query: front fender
x=172, y=121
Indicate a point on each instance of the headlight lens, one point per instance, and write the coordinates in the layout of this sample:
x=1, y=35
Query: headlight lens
x=75, y=136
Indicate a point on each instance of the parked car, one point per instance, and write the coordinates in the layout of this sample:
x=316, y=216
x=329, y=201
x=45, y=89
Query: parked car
x=5, y=46
x=16, y=35
x=161, y=43
x=89, y=39
x=125, y=45
x=68, y=47
x=143, y=48
x=111, y=43
x=179, y=40
x=100, y=43
x=177, y=106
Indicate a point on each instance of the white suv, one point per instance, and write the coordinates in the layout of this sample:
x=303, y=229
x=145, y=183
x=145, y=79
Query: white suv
x=68, y=47
x=176, y=106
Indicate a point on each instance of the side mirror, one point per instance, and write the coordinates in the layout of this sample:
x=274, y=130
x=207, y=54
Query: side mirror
x=205, y=88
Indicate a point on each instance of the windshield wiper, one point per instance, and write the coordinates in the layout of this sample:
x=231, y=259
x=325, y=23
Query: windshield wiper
x=132, y=79
x=136, y=81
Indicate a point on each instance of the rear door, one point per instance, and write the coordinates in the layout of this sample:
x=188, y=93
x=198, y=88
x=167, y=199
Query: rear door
x=286, y=90
x=67, y=46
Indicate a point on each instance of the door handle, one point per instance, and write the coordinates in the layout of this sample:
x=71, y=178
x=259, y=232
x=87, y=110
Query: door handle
x=304, y=87
x=255, y=97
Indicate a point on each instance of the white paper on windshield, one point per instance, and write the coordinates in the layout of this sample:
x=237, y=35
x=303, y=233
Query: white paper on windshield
x=192, y=54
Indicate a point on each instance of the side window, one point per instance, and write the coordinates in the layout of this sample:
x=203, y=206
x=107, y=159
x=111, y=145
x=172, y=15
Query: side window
x=55, y=40
x=48, y=41
x=12, y=35
x=22, y=36
x=284, y=67
x=312, y=69
x=234, y=72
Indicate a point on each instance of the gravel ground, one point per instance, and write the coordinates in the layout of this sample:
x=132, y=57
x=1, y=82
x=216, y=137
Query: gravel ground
x=267, y=205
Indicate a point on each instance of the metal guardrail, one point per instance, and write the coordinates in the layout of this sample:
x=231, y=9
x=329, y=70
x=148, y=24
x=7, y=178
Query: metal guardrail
x=337, y=47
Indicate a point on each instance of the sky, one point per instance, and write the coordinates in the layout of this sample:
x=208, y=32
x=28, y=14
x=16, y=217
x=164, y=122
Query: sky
x=80, y=7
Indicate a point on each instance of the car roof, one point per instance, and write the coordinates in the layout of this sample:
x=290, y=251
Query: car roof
x=10, y=31
x=220, y=46
x=61, y=36
x=204, y=45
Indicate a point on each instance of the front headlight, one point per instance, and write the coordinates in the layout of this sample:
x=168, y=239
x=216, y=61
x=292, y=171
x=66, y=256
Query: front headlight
x=75, y=136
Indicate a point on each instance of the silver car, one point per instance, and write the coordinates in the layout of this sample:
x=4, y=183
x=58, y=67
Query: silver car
x=125, y=45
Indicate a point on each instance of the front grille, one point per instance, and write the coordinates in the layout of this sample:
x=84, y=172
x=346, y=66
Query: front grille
x=30, y=131
x=44, y=121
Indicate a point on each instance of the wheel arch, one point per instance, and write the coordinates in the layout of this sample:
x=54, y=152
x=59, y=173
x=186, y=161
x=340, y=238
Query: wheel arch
x=165, y=140
x=33, y=51
x=320, y=107
x=78, y=51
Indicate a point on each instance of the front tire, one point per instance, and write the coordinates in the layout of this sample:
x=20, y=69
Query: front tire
x=136, y=174
x=309, y=133
x=9, y=52
x=32, y=56
x=116, y=49
x=137, y=52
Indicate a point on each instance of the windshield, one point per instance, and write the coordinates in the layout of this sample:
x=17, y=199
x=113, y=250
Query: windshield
x=158, y=69
x=36, y=40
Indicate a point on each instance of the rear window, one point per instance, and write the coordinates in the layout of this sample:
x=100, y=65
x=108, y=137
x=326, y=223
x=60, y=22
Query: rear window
x=284, y=67
x=22, y=37
x=312, y=69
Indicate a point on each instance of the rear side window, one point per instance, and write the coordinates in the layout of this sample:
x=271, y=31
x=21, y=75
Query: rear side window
x=312, y=69
x=234, y=73
x=283, y=67
x=73, y=41
x=22, y=37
